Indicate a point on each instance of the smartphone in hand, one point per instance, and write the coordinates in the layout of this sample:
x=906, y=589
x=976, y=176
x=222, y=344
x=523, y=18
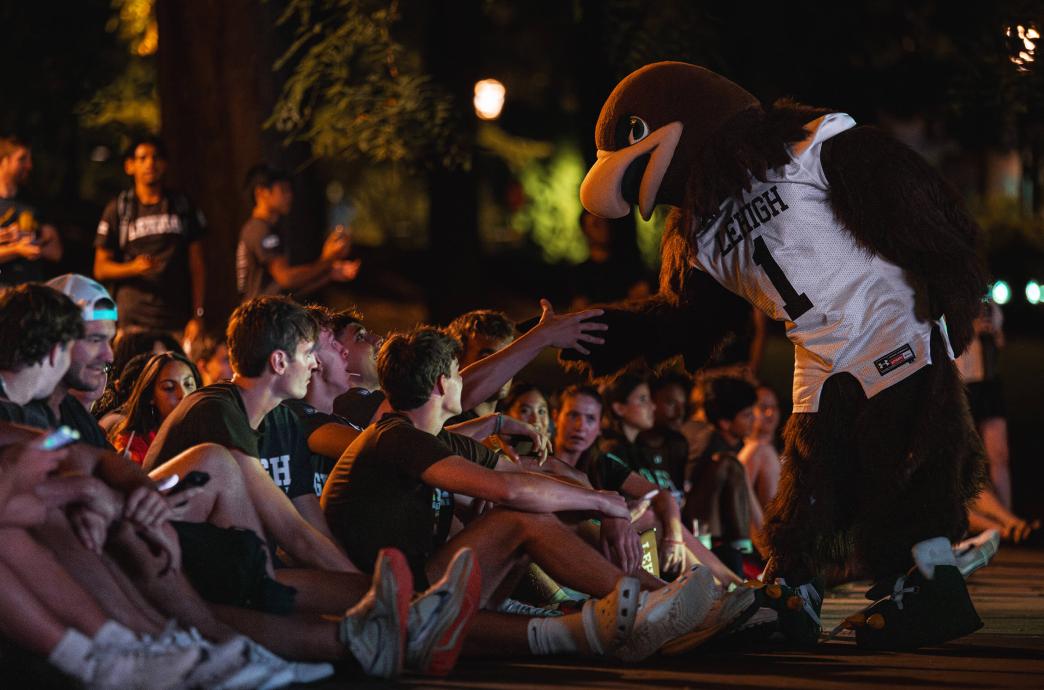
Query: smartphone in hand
x=191, y=480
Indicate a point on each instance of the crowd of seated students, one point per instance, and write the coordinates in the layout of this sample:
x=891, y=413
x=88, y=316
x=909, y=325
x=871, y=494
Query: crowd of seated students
x=302, y=493
x=204, y=586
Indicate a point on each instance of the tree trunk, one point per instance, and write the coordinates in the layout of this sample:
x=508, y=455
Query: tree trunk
x=217, y=88
x=454, y=272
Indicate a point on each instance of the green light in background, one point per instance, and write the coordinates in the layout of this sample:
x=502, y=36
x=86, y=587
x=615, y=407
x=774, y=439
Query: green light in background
x=1000, y=292
x=1033, y=292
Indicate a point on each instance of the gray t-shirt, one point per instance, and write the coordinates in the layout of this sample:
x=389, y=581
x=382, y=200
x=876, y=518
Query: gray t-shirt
x=259, y=244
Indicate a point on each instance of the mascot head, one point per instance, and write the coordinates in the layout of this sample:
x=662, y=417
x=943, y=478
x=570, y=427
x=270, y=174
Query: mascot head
x=650, y=133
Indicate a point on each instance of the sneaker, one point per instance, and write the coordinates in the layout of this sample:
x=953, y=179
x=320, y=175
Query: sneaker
x=228, y=666
x=726, y=614
x=975, y=553
x=609, y=621
x=374, y=630
x=919, y=612
x=798, y=609
x=140, y=667
x=299, y=671
x=670, y=612
x=439, y=617
x=520, y=608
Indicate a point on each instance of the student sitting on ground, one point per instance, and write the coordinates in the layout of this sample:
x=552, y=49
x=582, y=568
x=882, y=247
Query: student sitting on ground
x=577, y=428
x=720, y=497
x=395, y=486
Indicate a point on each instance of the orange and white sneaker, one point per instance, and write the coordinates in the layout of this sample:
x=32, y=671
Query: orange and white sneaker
x=438, y=618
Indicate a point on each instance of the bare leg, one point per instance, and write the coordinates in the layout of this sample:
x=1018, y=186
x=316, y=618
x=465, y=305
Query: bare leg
x=494, y=634
x=323, y=591
x=502, y=536
x=994, y=433
x=291, y=637
x=23, y=619
x=39, y=572
x=168, y=590
x=224, y=501
x=93, y=574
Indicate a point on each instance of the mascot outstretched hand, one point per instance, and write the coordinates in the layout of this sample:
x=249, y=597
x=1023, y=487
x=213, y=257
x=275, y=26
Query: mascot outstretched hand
x=861, y=249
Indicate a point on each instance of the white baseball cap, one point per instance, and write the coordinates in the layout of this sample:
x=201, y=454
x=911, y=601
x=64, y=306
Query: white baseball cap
x=94, y=301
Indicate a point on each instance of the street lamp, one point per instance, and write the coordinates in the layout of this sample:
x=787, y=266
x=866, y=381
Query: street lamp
x=489, y=99
x=1000, y=292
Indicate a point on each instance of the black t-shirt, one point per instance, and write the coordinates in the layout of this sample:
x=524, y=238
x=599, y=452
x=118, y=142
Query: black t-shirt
x=311, y=419
x=20, y=270
x=73, y=414
x=216, y=414
x=620, y=458
x=673, y=448
x=375, y=497
x=161, y=300
x=358, y=405
x=259, y=243
x=465, y=416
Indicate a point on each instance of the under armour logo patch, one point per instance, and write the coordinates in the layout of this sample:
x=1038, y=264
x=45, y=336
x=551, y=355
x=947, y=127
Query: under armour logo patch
x=895, y=359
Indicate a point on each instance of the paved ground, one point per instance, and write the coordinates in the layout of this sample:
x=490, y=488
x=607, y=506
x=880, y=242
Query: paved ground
x=1008, y=652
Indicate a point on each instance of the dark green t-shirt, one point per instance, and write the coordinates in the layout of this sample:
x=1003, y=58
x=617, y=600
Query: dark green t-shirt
x=375, y=497
x=216, y=414
x=620, y=458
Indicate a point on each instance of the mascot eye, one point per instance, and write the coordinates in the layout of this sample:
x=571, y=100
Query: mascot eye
x=636, y=130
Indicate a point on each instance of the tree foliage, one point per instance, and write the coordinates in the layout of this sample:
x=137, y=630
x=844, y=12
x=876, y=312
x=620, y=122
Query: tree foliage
x=354, y=91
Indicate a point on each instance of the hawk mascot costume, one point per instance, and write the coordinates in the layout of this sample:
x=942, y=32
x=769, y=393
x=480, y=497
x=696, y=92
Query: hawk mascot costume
x=861, y=249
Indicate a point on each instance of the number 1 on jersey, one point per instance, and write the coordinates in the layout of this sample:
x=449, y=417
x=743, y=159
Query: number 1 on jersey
x=794, y=304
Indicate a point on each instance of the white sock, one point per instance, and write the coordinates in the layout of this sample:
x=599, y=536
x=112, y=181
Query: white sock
x=113, y=634
x=70, y=655
x=555, y=635
x=932, y=552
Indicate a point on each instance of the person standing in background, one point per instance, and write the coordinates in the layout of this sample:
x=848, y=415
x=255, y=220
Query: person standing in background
x=149, y=248
x=24, y=241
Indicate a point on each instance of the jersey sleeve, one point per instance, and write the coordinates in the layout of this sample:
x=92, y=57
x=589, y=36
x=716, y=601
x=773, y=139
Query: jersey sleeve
x=108, y=234
x=262, y=242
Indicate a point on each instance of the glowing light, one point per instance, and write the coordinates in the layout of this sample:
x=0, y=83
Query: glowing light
x=1000, y=292
x=489, y=99
x=1033, y=292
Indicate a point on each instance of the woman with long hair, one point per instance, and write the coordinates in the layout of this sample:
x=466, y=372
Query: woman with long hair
x=166, y=379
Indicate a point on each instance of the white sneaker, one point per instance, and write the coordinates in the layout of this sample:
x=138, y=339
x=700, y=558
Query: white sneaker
x=670, y=612
x=609, y=621
x=725, y=612
x=438, y=617
x=975, y=553
x=228, y=666
x=300, y=671
x=374, y=630
x=140, y=667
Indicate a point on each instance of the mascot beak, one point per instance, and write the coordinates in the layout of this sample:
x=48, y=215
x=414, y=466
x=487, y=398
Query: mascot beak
x=609, y=188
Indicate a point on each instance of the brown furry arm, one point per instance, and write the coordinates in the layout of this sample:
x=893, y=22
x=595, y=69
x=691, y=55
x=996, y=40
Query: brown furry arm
x=662, y=327
x=897, y=206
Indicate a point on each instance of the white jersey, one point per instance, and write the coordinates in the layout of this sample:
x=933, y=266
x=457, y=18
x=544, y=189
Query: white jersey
x=781, y=248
